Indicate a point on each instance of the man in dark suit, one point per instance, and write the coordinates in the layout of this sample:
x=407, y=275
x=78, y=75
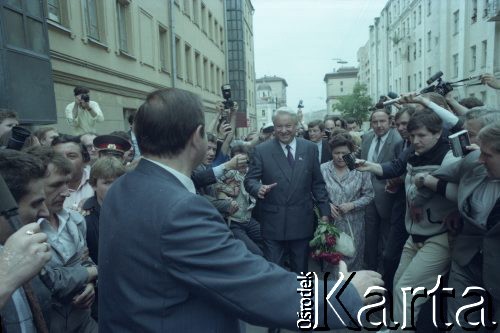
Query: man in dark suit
x=316, y=131
x=378, y=146
x=174, y=265
x=284, y=175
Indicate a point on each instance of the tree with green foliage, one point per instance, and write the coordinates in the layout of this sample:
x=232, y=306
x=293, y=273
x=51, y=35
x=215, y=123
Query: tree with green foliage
x=355, y=105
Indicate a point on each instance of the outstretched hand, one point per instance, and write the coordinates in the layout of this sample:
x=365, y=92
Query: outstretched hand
x=362, y=281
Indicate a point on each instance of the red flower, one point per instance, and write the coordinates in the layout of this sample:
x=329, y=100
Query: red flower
x=331, y=240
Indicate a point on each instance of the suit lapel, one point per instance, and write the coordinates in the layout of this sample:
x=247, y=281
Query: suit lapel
x=385, y=149
x=300, y=163
x=365, y=145
x=281, y=161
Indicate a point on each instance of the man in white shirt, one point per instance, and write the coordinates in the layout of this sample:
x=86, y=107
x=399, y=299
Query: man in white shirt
x=83, y=114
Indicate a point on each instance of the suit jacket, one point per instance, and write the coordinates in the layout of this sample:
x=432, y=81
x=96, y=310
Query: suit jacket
x=326, y=153
x=383, y=201
x=286, y=213
x=174, y=265
x=468, y=173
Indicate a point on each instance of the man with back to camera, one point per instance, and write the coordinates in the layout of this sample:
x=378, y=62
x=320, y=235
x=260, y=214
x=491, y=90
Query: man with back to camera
x=195, y=277
x=83, y=114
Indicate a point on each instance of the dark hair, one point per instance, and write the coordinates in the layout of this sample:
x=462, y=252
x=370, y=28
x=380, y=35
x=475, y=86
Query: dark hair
x=341, y=140
x=65, y=138
x=7, y=114
x=471, y=102
x=80, y=90
x=425, y=118
x=239, y=149
x=351, y=120
x=318, y=123
x=405, y=109
x=18, y=169
x=166, y=120
x=131, y=118
x=211, y=138
x=49, y=156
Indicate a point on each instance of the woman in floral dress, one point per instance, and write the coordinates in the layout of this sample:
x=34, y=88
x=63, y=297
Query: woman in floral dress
x=349, y=191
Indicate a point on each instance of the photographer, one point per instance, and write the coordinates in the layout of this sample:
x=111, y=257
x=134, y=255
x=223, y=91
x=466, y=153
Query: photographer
x=223, y=125
x=83, y=114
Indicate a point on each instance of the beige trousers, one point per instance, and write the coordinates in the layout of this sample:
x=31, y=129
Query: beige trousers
x=420, y=265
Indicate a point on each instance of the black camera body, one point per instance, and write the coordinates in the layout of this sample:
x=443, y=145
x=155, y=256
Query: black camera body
x=85, y=97
x=226, y=94
x=350, y=161
x=441, y=87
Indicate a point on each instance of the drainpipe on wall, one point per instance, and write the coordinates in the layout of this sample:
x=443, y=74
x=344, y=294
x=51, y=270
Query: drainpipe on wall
x=173, y=57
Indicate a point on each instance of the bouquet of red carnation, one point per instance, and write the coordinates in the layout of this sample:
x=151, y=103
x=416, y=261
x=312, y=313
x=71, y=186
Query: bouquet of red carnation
x=323, y=243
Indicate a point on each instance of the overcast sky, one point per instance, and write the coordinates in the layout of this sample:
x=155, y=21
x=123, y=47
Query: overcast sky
x=297, y=40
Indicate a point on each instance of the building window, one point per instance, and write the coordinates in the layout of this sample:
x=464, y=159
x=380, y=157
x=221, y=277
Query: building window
x=409, y=83
x=196, y=12
x=212, y=77
x=429, y=72
x=455, y=65
x=164, y=49
x=414, y=51
x=420, y=79
x=429, y=41
x=221, y=35
x=210, y=26
x=189, y=63
x=429, y=7
x=187, y=9
x=341, y=89
x=197, y=63
x=419, y=47
x=485, y=9
x=92, y=19
x=123, y=15
x=483, y=97
x=263, y=113
x=415, y=81
x=206, y=77
x=216, y=32
x=455, y=22
x=419, y=14
x=414, y=19
x=203, y=17
x=57, y=11
x=484, y=53
x=341, y=83
x=474, y=11
x=178, y=57
x=473, y=58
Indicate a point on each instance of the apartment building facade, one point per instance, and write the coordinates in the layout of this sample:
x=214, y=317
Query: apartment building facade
x=412, y=40
x=338, y=83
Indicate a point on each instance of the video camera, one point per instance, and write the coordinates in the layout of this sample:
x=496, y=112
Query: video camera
x=226, y=94
x=441, y=87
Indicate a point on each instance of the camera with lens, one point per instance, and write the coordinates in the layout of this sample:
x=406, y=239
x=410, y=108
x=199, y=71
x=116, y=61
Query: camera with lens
x=226, y=94
x=18, y=138
x=441, y=87
x=85, y=97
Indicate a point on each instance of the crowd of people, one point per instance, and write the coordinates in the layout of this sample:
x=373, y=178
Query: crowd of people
x=178, y=225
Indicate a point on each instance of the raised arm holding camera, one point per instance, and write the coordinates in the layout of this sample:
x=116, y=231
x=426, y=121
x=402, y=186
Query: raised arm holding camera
x=83, y=114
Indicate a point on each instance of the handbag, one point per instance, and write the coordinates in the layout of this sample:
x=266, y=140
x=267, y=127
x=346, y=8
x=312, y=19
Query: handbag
x=345, y=243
